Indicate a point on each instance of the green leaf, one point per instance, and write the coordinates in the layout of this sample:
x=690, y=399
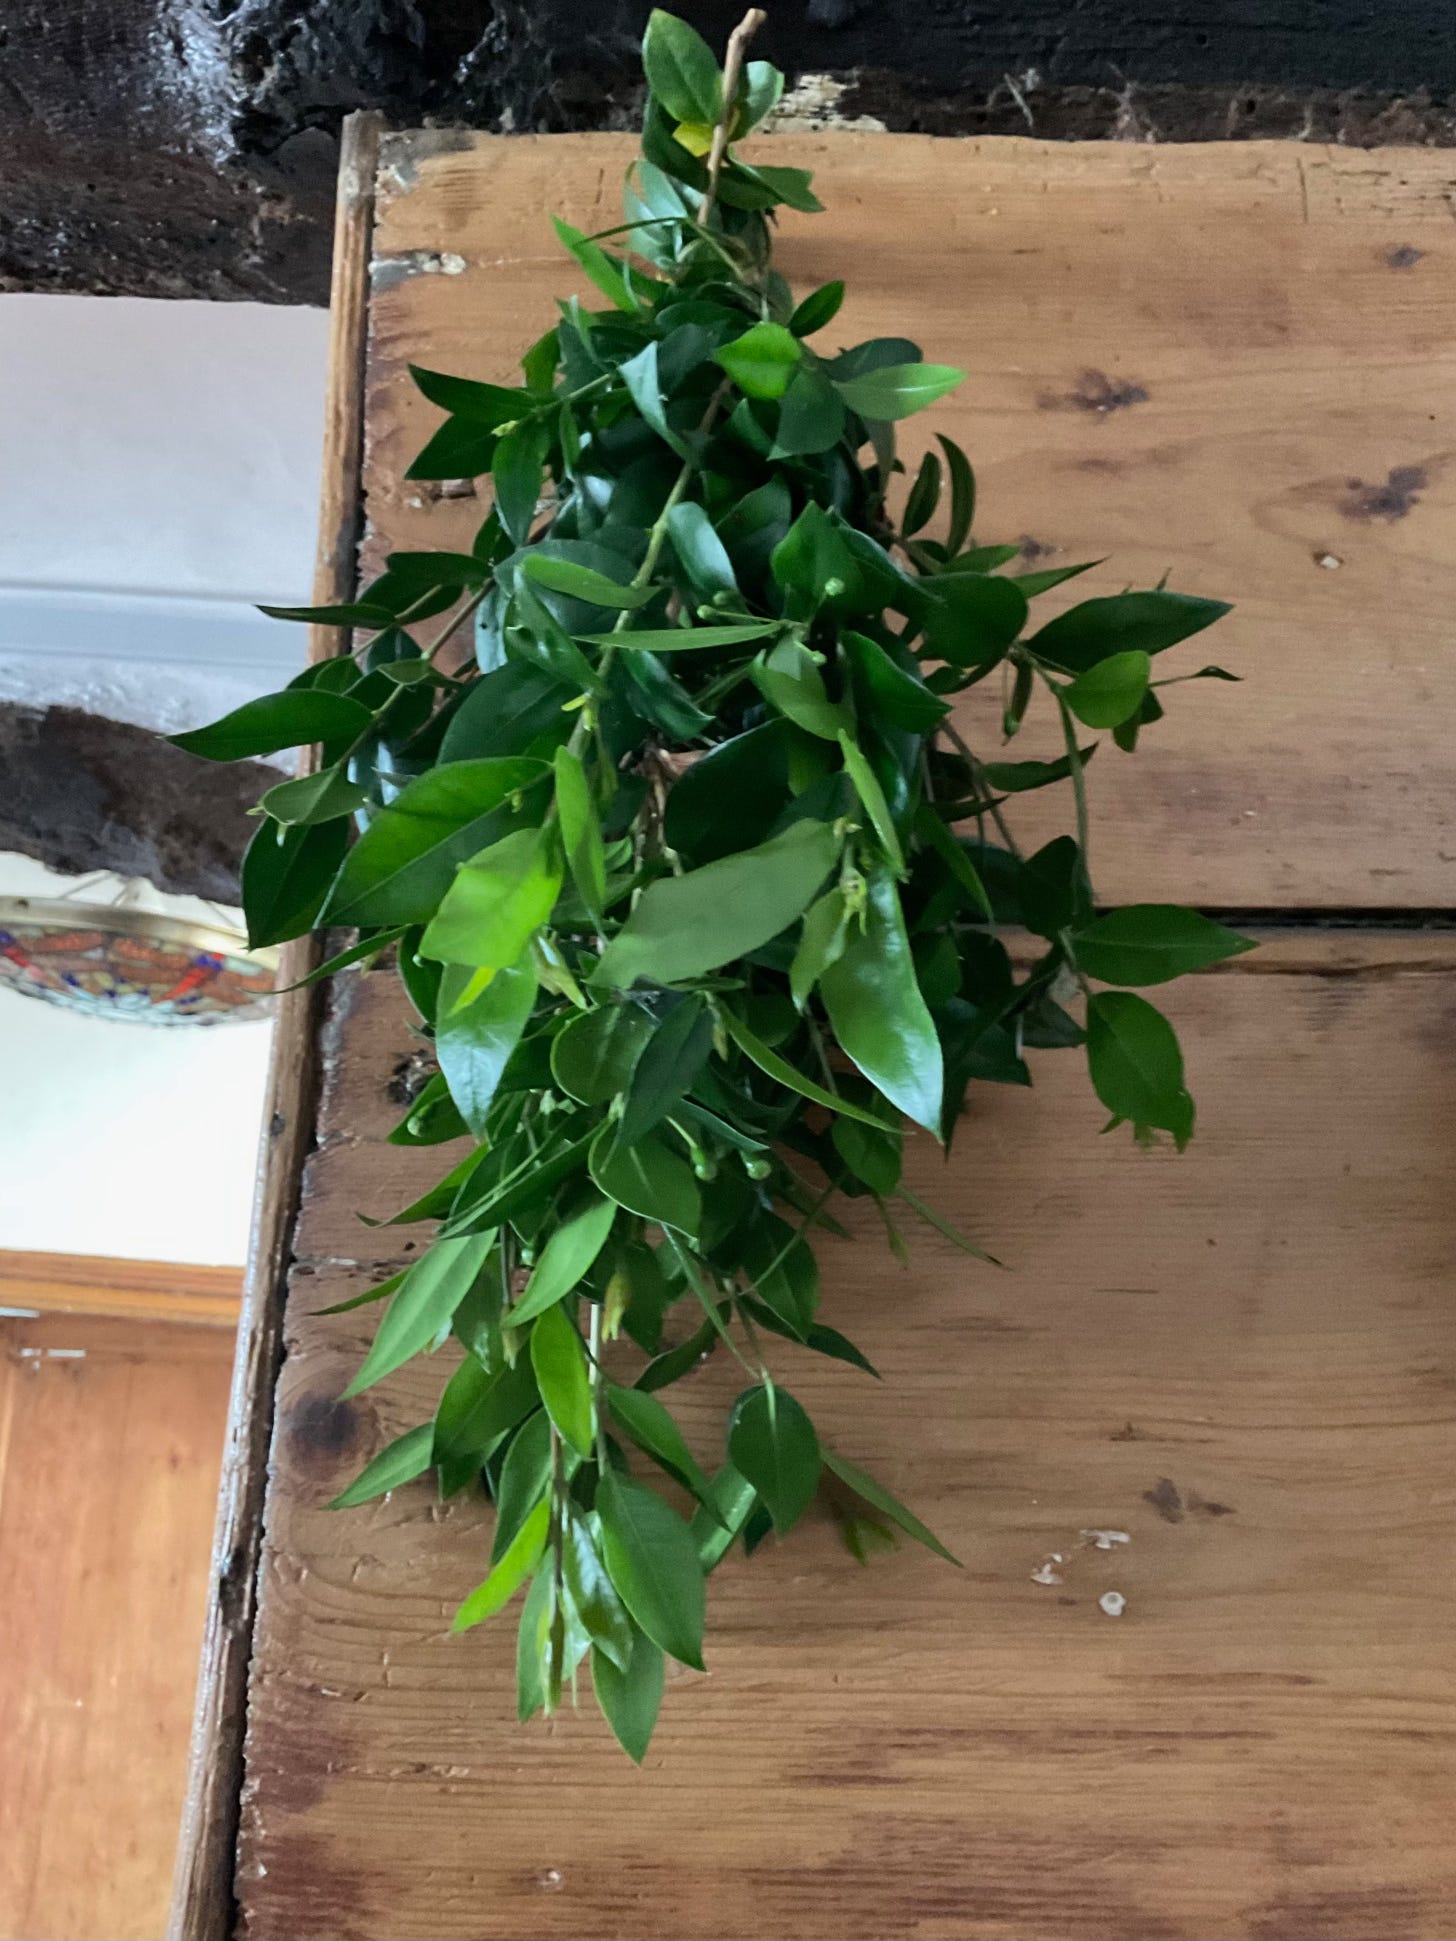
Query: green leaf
x=565, y=1261
x=509, y=1574
x=462, y=448
x=924, y=495
x=789, y=677
x=1053, y=888
x=647, y=1178
x=975, y=617
x=1136, y=1065
x=420, y=1312
x=811, y=555
x=286, y=876
x=559, y=1360
x=702, y=554
x=1111, y=690
x=653, y=1562
x=604, y=270
x=516, y=470
x=1149, y=943
x=873, y=1156
x=784, y=1073
x=1146, y=623
x=821, y=943
x=819, y=308
x=582, y=582
x=630, y=1699
x=592, y=1056
x=763, y=87
x=811, y=416
x=643, y=380
x=962, y=494
x=867, y=787
x=933, y=832
x=525, y=1478
x=292, y=719
x=655, y=1432
x=686, y=926
x=581, y=832
x=666, y=1068
x=477, y=1029
x=465, y=397
x=479, y=1408
x=512, y=708
x=680, y=69
x=499, y=899
x=678, y=640
x=762, y=187
x=879, y=1498
x=592, y=1594
x=1016, y=778
x=897, y=390
x=314, y=798
x=890, y=693
x=762, y=361
x=879, y=1017
x=398, y=1462
x=406, y=859
x=734, y=1498
x=772, y=1444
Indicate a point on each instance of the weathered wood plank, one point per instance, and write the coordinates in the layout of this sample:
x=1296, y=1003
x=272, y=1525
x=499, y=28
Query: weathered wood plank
x=1260, y=1746
x=1227, y=362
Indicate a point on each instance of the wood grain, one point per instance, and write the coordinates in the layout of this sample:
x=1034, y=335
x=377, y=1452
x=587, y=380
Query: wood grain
x=203, y=1887
x=1276, y=375
x=110, y=1437
x=1261, y=1745
x=140, y=1290
x=1241, y=1358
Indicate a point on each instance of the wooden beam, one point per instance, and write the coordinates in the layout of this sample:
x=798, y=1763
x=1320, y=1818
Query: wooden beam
x=202, y=1904
x=135, y=1290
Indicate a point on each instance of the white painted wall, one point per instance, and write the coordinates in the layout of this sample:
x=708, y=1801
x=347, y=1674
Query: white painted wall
x=158, y=473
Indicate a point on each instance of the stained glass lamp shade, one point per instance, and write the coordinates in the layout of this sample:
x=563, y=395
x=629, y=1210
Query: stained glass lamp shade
x=115, y=960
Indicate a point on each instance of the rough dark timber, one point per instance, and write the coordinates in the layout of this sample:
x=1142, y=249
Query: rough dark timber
x=187, y=147
x=83, y=793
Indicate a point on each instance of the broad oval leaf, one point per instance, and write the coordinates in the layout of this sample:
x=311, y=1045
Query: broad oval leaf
x=1136, y=1064
x=1146, y=622
x=593, y=1056
x=630, y=1700
x=879, y=1017
x=1149, y=943
x=559, y=1361
x=476, y=1030
x=647, y=1178
x=772, y=1443
x=762, y=361
x=497, y=902
x=1112, y=690
x=896, y=390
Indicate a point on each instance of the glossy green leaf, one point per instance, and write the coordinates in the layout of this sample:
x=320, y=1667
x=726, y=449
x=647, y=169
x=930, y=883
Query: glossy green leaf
x=476, y=1030
x=420, y=1312
x=653, y=1562
x=933, y=832
x=779, y=1069
x=682, y=640
x=821, y=943
x=592, y=1594
x=686, y=926
x=666, y=1068
x=819, y=308
x=642, y=377
x=1136, y=1064
x=647, y=1178
x=897, y=390
x=565, y=1260
x=924, y=495
x=399, y=1462
x=702, y=553
x=811, y=415
x=681, y=70
x=315, y=798
x=1145, y=623
x=516, y=471
x=286, y=876
x=762, y=361
x=406, y=859
x=582, y=582
x=559, y=1361
x=879, y=1017
x=593, y=1055
x=1149, y=943
x=292, y=719
x=525, y=1478
x=485, y=404
x=867, y=788
x=604, y=270
x=496, y=903
x=814, y=565
x=879, y=1498
x=509, y=1574
x=581, y=832
x=1016, y=778
x=975, y=619
x=889, y=692
x=962, y=494
x=630, y=1699
x=1111, y=690
x=655, y=1432
x=514, y=711
x=772, y=1444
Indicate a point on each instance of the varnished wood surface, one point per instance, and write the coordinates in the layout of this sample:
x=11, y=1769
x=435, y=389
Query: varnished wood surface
x=138, y=1290
x=1196, y=360
x=1261, y=1745
x=110, y=1437
x=1241, y=1358
x=202, y=1894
